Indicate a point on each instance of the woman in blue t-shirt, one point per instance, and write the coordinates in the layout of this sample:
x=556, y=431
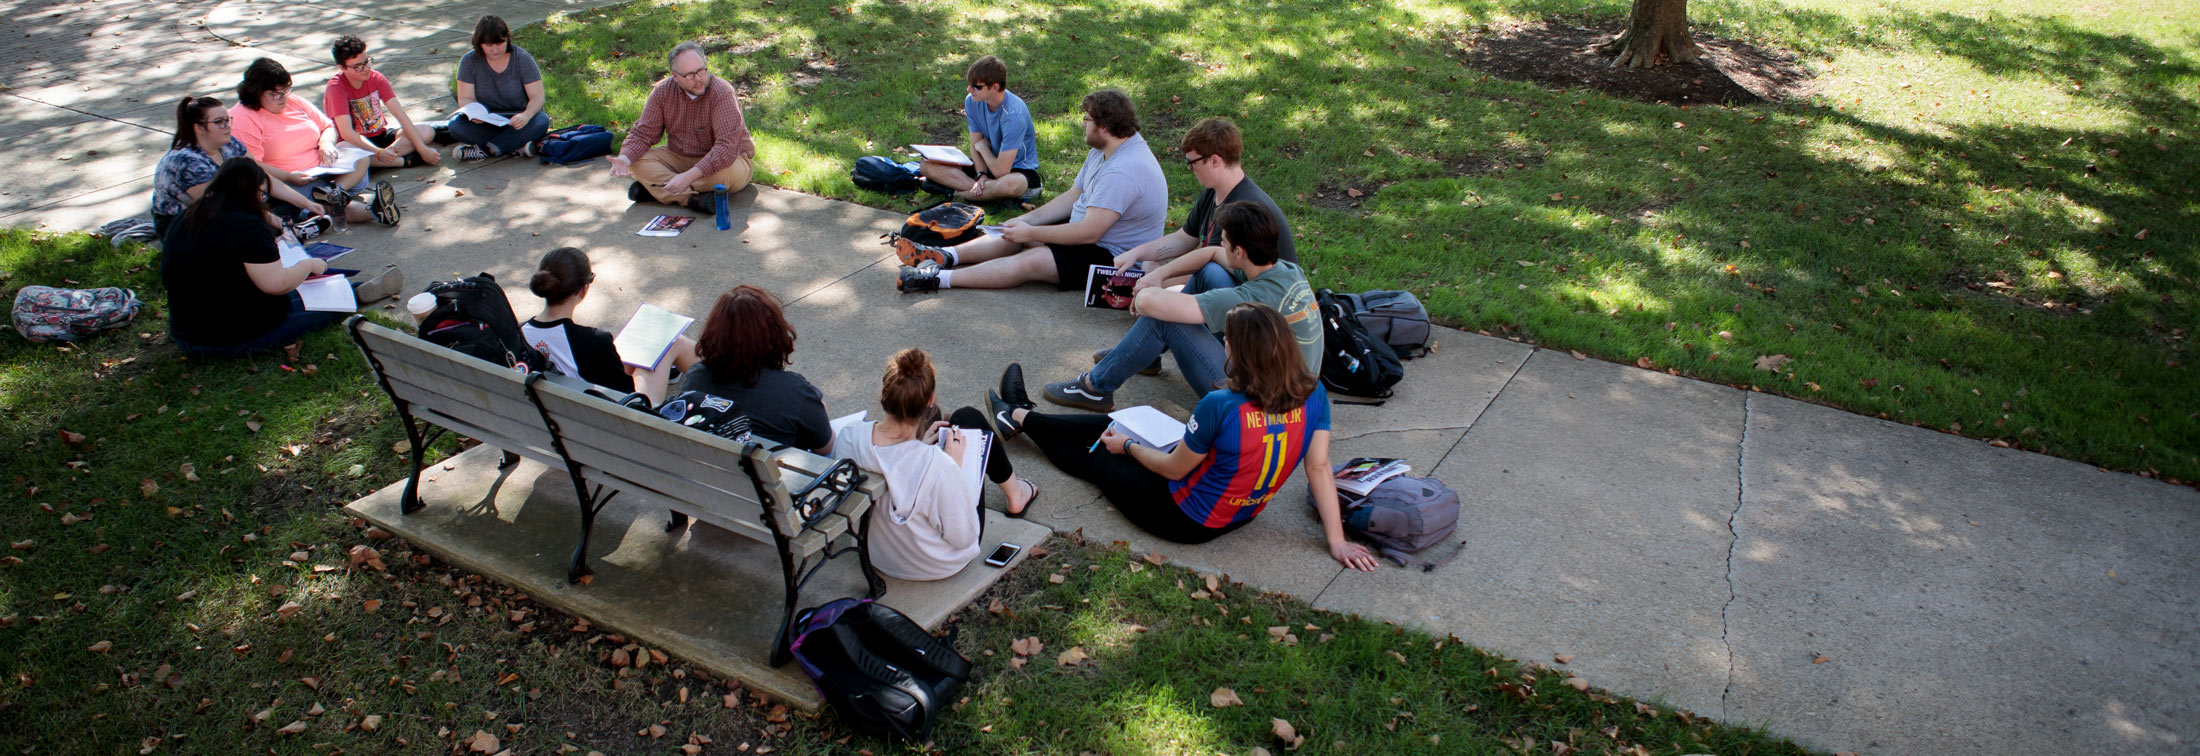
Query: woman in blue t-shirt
x=1241, y=446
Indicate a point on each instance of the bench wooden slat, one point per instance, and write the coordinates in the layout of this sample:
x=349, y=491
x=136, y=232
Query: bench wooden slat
x=703, y=460
x=516, y=432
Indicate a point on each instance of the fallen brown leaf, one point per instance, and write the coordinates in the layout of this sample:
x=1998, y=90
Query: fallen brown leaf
x=1224, y=698
x=1028, y=646
x=293, y=728
x=1288, y=734
x=1771, y=363
x=483, y=742
x=101, y=647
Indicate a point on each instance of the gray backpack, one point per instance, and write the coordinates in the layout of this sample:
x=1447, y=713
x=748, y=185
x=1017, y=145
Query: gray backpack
x=1394, y=317
x=1404, y=515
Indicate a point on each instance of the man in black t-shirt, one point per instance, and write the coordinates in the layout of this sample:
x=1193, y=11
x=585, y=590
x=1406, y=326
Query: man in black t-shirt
x=1211, y=150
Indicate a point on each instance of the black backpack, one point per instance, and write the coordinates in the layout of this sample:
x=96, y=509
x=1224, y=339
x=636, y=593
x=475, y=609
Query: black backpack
x=1353, y=362
x=882, y=175
x=886, y=676
x=709, y=413
x=944, y=224
x=472, y=316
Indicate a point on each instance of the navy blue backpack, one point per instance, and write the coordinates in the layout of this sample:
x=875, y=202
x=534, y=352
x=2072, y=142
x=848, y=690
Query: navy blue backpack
x=882, y=175
x=574, y=144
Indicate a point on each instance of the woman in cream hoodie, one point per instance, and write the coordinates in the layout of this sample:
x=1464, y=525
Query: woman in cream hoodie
x=928, y=527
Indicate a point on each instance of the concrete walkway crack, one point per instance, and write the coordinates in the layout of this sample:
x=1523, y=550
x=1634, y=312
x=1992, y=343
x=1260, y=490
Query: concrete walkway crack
x=1733, y=529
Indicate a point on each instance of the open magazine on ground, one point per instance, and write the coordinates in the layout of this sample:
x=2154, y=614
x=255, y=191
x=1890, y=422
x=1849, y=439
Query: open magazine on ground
x=1360, y=475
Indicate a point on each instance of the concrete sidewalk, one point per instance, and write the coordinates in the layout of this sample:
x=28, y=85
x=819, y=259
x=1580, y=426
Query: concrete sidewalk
x=1855, y=584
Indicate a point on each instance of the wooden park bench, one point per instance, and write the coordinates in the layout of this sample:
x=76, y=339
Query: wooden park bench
x=811, y=508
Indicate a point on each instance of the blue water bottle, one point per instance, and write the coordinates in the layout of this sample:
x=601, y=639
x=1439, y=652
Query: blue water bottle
x=725, y=217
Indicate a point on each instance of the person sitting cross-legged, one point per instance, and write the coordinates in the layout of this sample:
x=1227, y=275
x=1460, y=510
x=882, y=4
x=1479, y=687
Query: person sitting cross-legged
x=706, y=141
x=292, y=139
x=503, y=78
x=1118, y=201
x=928, y=525
x=360, y=101
x=1185, y=322
x=1003, y=142
x=1238, y=452
x=202, y=141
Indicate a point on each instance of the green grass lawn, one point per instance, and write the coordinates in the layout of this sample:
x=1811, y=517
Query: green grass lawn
x=1982, y=221
x=179, y=580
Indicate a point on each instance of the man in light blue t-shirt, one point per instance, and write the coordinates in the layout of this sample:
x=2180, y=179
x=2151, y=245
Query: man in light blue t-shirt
x=1002, y=141
x=1119, y=201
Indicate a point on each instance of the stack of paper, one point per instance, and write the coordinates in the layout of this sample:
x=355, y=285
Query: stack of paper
x=1362, y=474
x=328, y=293
x=941, y=153
x=1148, y=426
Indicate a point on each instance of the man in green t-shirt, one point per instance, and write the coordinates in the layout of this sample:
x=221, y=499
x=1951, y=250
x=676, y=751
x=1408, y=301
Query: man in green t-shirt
x=1185, y=323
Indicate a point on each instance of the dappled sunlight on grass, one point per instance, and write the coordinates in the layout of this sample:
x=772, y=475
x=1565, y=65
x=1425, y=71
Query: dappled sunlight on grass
x=1158, y=722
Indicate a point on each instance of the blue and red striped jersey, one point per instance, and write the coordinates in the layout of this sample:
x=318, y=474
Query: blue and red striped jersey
x=1250, y=453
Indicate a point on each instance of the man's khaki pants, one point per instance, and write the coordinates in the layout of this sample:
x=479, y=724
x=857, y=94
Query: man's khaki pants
x=659, y=165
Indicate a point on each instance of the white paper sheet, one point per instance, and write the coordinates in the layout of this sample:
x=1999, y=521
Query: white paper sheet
x=649, y=335
x=1150, y=426
x=476, y=111
x=328, y=294
x=942, y=153
x=346, y=156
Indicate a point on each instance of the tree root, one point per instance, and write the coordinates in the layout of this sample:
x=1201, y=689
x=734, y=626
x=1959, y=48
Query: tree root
x=1636, y=49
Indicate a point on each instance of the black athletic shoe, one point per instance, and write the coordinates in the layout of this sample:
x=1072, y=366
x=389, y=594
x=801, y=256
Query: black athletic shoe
x=707, y=204
x=935, y=187
x=1012, y=386
x=1079, y=393
x=1003, y=416
x=1153, y=369
x=386, y=211
x=913, y=280
x=635, y=192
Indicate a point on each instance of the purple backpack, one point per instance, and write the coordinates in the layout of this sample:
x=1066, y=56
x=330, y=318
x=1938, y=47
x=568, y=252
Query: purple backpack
x=45, y=313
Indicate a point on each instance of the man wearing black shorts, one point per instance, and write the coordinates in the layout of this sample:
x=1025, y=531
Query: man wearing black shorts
x=1003, y=143
x=1119, y=201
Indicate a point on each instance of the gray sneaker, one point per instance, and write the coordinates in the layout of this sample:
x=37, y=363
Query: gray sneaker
x=1079, y=393
x=388, y=283
x=1153, y=369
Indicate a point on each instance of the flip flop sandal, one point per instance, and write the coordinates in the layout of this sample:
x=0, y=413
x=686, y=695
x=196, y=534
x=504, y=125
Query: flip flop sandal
x=1028, y=501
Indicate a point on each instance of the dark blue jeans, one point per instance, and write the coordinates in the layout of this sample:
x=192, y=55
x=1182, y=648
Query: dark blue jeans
x=501, y=140
x=294, y=327
x=1198, y=352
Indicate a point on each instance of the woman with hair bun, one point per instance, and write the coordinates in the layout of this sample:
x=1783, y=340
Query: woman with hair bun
x=575, y=350
x=927, y=526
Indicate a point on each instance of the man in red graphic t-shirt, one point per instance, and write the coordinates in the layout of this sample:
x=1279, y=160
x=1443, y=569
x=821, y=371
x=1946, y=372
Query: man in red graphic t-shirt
x=359, y=99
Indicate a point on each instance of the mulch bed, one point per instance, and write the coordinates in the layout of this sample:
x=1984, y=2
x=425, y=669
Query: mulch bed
x=1556, y=54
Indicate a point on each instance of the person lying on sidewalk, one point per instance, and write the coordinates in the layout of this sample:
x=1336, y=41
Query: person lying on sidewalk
x=361, y=103
x=1003, y=141
x=1212, y=149
x=562, y=280
x=1239, y=449
x=1243, y=269
x=1118, y=201
x=928, y=526
x=201, y=143
x=289, y=137
x=228, y=292
x=503, y=78
x=706, y=141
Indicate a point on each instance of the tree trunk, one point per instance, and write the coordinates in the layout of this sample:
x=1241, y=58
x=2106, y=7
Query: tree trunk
x=1658, y=29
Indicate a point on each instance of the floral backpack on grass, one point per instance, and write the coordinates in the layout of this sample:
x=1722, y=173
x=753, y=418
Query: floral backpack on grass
x=45, y=313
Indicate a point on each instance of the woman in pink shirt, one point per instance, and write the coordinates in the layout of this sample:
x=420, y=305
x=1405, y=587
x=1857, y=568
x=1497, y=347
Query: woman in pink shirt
x=287, y=137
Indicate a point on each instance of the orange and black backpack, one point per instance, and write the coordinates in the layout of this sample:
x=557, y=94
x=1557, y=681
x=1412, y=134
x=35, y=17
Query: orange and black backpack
x=945, y=224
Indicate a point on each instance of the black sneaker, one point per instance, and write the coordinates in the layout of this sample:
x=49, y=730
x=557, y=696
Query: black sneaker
x=330, y=196
x=1003, y=416
x=918, y=279
x=1012, y=386
x=935, y=187
x=312, y=228
x=531, y=149
x=1080, y=394
x=635, y=192
x=707, y=204
x=386, y=211
x=1153, y=369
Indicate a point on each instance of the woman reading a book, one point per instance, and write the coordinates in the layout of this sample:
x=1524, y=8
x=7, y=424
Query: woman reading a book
x=575, y=350
x=292, y=139
x=502, y=78
x=928, y=526
x=1238, y=451
x=229, y=293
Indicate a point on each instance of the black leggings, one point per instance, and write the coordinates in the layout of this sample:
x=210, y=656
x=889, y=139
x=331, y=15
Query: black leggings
x=1142, y=495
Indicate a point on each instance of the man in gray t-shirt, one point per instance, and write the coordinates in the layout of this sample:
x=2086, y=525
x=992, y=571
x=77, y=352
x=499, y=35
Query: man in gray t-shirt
x=1119, y=201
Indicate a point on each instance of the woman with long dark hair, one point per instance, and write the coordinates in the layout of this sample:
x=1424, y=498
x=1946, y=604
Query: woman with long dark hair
x=1239, y=449
x=228, y=291
x=562, y=280
x=201, y=142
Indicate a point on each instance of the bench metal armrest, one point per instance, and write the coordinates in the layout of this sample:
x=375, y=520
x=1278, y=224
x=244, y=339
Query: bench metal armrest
x=824, y=495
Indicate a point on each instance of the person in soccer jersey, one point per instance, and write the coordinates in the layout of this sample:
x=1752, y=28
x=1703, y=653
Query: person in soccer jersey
x=1239, y=450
